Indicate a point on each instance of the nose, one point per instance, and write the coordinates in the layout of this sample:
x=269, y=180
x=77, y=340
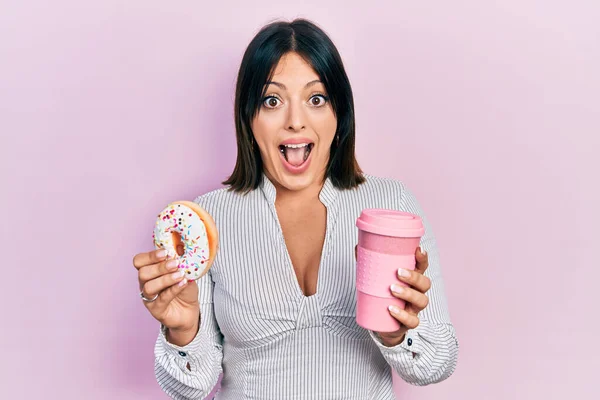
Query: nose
x=295, y=118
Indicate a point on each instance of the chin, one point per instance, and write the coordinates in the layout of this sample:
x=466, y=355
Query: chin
x=292, y=180
x=297, y=182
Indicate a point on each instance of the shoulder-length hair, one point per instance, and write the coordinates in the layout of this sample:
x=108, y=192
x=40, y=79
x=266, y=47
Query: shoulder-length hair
x=257, y=68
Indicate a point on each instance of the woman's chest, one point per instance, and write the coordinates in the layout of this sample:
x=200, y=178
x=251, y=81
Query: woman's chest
x=304, y=231
x=257, y=292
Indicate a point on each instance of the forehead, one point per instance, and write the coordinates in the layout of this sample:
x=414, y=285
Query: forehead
x=292, y=67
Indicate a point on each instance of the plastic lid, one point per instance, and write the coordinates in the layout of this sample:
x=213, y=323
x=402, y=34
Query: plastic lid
x=390, y=223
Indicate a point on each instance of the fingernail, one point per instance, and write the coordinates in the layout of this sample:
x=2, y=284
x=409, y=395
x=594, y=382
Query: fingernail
x=403, y=272
x=423, y=250
x=182, y=283
x=397, y=288
x=172, y=264
x=161, y=253
x=394, y=309
x=177, y=274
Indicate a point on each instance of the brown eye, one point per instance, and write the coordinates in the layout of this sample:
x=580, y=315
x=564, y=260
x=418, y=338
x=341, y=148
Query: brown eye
x=318, y=100
x=271, y=102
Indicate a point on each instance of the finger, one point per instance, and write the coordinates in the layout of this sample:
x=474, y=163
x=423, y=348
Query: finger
x=155, y=286
x=152, y=257
x=422, y=260
x=411, y=321
x=417, y=299
x=153, y=271
x=415, y=279
x=167, y=295
x=356, y=252
x=412, y=309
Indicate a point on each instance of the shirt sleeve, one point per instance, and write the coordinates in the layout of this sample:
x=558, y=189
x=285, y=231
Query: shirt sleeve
x=204, y=354
x=428, y=353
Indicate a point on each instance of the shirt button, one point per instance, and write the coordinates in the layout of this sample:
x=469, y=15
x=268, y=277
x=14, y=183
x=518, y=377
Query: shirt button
x=409, y=341
x=182, y=353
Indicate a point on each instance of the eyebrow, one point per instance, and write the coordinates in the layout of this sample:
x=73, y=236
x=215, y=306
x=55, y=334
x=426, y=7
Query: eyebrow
x=282, y=86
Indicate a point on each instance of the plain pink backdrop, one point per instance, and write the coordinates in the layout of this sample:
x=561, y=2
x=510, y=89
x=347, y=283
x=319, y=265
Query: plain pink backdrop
x=488, y=112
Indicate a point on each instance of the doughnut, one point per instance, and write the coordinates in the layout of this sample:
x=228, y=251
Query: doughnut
x=184, y=225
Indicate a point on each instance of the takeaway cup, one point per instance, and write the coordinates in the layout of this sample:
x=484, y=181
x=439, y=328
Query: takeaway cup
x=387, y=240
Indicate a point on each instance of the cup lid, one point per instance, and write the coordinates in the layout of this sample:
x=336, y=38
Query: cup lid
x=390, y=223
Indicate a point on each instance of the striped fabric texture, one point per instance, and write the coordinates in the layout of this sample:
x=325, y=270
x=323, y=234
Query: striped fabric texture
x=269, y=340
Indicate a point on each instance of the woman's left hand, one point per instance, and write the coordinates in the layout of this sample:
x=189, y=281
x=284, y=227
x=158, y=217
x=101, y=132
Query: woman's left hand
x=413, y=295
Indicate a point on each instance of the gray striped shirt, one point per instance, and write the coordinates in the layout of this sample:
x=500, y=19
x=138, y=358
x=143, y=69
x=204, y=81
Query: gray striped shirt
x=271, y=341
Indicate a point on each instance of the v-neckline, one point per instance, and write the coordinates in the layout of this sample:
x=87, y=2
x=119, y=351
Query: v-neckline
x=327, y=196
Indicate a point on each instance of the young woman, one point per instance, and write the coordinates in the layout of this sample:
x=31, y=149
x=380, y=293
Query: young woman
x=276, y=312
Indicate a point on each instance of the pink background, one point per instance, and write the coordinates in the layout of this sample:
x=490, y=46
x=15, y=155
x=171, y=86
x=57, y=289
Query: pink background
x=489, y=113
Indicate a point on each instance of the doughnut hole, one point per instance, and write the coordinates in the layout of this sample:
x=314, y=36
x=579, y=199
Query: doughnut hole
x=177, y=243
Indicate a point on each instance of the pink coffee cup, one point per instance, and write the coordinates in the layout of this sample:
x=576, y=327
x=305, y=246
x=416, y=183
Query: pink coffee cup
x=387, y=240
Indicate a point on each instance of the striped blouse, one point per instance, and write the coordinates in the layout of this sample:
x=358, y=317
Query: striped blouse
x=271, y=341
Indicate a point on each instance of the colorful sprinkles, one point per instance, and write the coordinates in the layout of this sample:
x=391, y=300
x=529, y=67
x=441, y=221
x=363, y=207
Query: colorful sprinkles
x=182, y=220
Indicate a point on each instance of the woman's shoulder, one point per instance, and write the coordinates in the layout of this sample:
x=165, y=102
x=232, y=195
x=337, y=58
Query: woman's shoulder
x=385, y=190
x=222, y=200
x=381, y=180
x=210, y=195
x=378, y=185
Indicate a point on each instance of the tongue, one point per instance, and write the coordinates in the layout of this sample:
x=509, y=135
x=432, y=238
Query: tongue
x=295, y=156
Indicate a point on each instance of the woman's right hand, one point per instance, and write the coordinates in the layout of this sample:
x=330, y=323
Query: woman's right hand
x=177, y=306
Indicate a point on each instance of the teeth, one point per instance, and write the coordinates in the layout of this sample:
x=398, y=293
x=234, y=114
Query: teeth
x=308, y=147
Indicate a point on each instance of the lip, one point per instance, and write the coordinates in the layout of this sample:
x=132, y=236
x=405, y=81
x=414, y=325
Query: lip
x=298, y=140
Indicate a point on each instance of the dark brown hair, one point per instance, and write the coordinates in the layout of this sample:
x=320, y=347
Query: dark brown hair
x=258, y=63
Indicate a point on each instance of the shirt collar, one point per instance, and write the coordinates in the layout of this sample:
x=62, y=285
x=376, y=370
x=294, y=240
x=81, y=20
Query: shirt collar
x=327, y=195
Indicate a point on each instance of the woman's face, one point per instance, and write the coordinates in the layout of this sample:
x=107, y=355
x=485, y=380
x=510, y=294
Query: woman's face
x=295, y=125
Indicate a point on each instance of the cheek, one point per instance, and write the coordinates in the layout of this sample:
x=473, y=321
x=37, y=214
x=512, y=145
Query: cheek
x=326, y=126
x=263, y=128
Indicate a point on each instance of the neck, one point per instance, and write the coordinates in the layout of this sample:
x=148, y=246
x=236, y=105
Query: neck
x=307, y=194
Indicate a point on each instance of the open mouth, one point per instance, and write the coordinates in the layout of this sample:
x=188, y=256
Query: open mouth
x=296, y=154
